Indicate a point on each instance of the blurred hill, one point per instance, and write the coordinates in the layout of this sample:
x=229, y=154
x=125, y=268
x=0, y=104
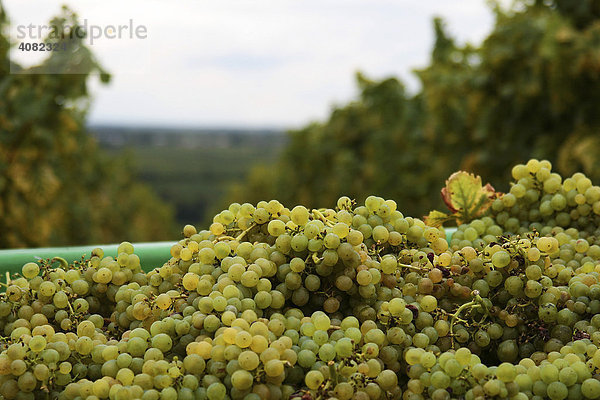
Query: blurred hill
x=191, y=169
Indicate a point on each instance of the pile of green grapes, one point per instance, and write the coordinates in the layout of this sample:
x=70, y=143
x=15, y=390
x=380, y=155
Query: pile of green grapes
x=357, y=302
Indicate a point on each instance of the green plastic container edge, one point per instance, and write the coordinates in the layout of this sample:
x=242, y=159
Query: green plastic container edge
x=152, y=254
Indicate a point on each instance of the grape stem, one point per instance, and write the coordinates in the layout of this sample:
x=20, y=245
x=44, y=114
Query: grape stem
x=221, y=238
x=320, y=216
x=332, y=373
x=476, y=303
x=63, y=263
x=245, y=232
x=70, y=307
x=412, y=267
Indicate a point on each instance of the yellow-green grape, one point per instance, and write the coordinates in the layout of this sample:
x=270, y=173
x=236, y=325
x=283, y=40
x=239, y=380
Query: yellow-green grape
x=242, y=380
x=190, y=281
x=217, y=229
x=501, y=259
x=546, y=244
x=276, y=227
x=248, y=360
x=313, y=379
x=103, y=275
x=30, y=270
x=274, y=368
x=243, y=339
x=186, y=254
x=428, y=303
x=341, y=229
x=189, y=231
x=299, y=215
x=47, y=289
x=163, y=301
x=37, y=343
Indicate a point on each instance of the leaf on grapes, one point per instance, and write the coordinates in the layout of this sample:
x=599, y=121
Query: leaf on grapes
x=466, y=197
x=436, y=218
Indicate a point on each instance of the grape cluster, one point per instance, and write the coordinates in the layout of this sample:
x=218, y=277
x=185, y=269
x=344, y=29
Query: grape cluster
x=539, y=200
x=357, y=302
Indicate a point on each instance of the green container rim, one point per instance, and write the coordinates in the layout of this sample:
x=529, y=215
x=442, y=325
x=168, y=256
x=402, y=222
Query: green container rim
x=152, y=254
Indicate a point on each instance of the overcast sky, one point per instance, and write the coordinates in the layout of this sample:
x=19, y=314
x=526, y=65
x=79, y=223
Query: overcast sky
x=264, y=63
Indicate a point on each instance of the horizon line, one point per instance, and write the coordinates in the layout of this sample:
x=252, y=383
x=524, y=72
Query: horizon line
x=185, y=127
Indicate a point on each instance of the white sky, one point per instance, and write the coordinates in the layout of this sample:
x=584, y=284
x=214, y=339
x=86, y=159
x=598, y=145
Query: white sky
x=253, y=63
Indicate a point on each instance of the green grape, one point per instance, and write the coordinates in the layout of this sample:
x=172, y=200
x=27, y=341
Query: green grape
x=428, y=303
x=557, y=391
x=125, y=376
x=482, y=338
x=590, y=388
x=514, y=285
x=276, y=227
x=306, y=358
x=242, y=380
x=440, y=380
x=501, y=259
x=453, y=368
x=380, y=234
x=299, y=242
x=216, y=391
x=471, y=234
x=479, y=371
x=47, y=289
x=549, y=373
x=321, y=337
x=506, y=372
x=248, y=360
x=313, y=379
x=321, y=321
x=30, y=270
x=37, y=343
x=344, y=391
x=421, y=340
x=297, y=264
x=397, y=306
x=493, y=387
x=331, y=241
x=567, y=376
x=163, y=342
x=299, y=215
x=194, y=364
x=27, y=382
x=344, y=347
x=428, y=359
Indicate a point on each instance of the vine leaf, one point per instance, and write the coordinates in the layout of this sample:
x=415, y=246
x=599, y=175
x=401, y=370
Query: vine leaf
x=437, y=218
x=466, y=198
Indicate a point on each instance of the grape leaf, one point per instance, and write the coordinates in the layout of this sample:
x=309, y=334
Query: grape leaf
x=466, y=197
x=436, y=218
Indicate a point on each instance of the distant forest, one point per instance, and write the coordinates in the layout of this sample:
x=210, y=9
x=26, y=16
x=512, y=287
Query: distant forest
x=191, y=169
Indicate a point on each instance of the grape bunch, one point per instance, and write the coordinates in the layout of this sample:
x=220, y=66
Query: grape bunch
x=539, y=200
x=355, y=302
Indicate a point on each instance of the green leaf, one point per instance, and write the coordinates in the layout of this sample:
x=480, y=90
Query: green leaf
x=437, y=218
x=466, y=197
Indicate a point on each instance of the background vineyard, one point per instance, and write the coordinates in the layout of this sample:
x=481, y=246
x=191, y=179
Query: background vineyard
x=531, y=89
